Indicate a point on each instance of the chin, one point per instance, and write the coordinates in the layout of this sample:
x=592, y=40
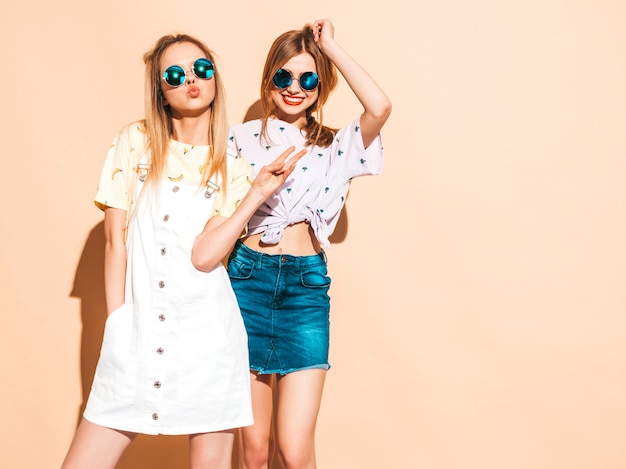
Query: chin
x=291, y=112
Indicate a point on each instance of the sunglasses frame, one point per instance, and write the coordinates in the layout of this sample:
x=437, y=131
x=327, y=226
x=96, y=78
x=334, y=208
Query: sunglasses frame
x=183, y=72
x=303, y=76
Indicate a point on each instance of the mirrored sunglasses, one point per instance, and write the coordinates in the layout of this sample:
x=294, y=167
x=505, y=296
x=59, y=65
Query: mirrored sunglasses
x=308, y=80
x=175, y=75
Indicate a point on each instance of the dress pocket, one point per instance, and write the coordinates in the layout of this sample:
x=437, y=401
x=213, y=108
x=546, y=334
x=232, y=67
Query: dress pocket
x=116, y=368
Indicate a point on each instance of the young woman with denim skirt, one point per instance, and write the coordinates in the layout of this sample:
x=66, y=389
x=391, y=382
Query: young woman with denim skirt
x=278, y=270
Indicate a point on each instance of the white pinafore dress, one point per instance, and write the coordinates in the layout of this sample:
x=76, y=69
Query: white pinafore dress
x=174, y=357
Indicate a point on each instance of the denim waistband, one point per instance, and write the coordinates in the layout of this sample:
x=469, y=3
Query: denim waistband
x=286, y=260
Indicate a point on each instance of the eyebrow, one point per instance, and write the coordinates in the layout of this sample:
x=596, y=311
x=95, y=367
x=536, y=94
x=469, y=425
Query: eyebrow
x=287, y=70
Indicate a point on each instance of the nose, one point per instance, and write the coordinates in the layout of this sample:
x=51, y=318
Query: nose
x=190, y=77
x=294, y=87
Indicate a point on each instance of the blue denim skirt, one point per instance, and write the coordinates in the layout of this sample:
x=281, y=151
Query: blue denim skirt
x=285, y=307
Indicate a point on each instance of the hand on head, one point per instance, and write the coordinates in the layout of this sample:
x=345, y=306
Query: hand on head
x=323, y=30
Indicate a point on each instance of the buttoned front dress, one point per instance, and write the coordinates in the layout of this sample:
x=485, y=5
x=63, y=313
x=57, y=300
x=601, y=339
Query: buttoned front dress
x=174, y=356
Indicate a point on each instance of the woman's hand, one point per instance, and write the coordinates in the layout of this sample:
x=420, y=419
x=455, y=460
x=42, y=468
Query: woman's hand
x=323, y=32
x=220, y=233
x=274, y=175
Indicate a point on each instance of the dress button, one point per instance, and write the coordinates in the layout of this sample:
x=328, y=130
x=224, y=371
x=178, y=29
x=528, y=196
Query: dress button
x=161, y=317
x=161, y=284
x=160, y=351
x=155, y=416
x=166, y=217
x=163, y=251
x=175, y=189
x=284, y=259
x=157, y=384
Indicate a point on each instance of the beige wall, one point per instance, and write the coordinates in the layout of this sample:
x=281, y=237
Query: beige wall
x=479, y=300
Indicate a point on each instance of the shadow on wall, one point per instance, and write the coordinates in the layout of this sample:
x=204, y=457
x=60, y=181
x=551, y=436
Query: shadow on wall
x=89, y=288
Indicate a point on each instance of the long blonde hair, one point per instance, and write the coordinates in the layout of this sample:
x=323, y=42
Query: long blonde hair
x=286, y=46
x=158, y=120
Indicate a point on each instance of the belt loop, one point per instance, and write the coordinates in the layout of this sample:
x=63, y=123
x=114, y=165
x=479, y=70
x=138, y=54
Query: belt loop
x=323, y=254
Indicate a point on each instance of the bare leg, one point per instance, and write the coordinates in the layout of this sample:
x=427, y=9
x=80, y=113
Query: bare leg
x=256, y=441
x=211, y=450
x=299, y=400
x=95, y=446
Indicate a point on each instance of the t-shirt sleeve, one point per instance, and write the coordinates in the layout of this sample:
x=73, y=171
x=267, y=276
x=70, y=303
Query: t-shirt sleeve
x=239, y=182
x=117, y=174
x=350, y=158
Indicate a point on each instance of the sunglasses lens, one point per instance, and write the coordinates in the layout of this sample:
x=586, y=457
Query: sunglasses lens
x=309, y=81
x=174, y=75
x=282, y=78
x=203, y=68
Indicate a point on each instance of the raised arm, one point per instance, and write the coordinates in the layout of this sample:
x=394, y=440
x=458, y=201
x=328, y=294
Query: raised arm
x=220, y=233
x=376, y=104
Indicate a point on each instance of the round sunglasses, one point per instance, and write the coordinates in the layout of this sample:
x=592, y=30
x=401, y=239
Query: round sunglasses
x=175, y=75
x=308, y=80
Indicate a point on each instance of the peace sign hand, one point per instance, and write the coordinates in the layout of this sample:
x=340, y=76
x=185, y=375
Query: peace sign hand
x=274, y=175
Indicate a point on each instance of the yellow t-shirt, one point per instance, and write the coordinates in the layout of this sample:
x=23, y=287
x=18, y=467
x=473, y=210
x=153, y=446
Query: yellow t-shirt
x=126, y=161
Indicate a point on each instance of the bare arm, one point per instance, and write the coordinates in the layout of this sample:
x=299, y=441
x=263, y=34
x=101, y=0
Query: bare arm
x=376, y=104
x=114, y=257
x=220, y=233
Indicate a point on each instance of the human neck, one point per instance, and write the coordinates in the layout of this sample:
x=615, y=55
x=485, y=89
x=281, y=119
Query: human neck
x=297, y=121
x=191, y=130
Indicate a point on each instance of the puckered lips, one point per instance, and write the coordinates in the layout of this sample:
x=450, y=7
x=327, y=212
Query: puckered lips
x=193, y=91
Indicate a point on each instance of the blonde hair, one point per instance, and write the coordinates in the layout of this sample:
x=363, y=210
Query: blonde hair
x=158, y=120
x=286, y=46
